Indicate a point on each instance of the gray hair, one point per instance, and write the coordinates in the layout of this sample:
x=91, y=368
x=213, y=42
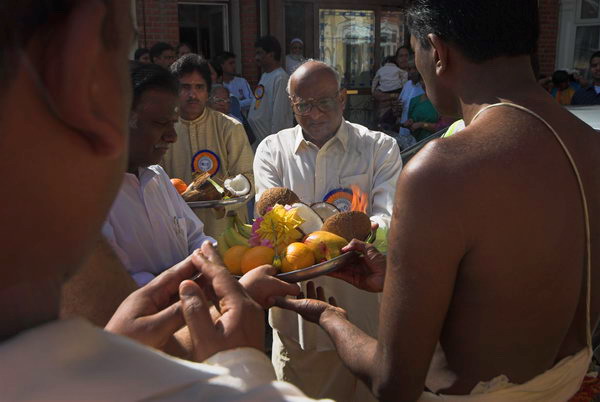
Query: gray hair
x=336, y=74
x=217, y=86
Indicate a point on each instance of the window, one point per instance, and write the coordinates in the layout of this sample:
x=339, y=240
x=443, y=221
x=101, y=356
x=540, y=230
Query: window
x=587, y=33
x=391, y=32
x=204, y=26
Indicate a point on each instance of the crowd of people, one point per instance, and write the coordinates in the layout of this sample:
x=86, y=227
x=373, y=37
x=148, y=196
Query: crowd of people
x=112, y=286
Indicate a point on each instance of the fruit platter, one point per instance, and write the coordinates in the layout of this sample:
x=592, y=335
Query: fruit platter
x=302, y=241
x=204, y=192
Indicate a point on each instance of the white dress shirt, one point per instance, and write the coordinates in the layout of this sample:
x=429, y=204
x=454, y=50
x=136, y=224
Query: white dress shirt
x=355, y=155
x=70, y=360
x=150, y=226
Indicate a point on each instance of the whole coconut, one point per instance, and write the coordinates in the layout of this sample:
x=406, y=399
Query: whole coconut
x=350, y=225
x=275, y=195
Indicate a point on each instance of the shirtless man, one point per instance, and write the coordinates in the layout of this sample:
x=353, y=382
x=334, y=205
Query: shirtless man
x=488, y=247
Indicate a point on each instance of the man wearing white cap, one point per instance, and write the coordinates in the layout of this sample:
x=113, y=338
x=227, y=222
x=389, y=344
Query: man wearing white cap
x=296, y=56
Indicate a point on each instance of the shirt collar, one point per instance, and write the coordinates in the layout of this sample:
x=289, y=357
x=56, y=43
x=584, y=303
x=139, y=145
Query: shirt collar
x=197, y=119
x=145, y=174
x=341, y=135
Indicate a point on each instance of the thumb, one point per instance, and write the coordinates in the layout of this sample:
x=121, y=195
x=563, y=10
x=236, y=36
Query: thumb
x=197, y=317
x=164, y=323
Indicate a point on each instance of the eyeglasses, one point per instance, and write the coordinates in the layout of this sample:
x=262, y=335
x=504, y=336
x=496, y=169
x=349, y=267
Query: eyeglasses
x=219, y=100
x=325, y=105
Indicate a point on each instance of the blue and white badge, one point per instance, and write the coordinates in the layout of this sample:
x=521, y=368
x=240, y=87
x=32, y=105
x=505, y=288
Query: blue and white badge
x=340, y=197
x=206, y=161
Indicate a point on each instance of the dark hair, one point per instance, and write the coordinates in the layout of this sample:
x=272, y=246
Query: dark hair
x=182, y=44
x=218, y=67
x=481, y=30
x=224, y=56
x=140, y=52
x=20, y=20
x=596, y=54
x=408, y=49
x=151, y=76
x=559, y=77
x=190, y=63
x=269, y=44
x=158, y=49
x=389, y=59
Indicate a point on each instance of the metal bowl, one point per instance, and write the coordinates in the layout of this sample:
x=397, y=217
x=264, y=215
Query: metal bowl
x=219, y=203
x=318, y=269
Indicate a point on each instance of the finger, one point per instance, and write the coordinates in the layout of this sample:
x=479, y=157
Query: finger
x=163, y=289
x=216, y=276
x=196, y=313
x=333, y=302
x=374, y=226
x=300, y=296
x=355, y=245
x=164, y=323
x=321, y=293
x=211, y=253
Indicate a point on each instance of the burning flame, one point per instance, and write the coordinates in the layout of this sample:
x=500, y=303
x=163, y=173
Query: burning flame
x=360, y=199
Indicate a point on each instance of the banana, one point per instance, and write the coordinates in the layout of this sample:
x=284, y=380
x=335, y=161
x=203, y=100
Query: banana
x=243, y=228
x=233, y=238
x=222, y=245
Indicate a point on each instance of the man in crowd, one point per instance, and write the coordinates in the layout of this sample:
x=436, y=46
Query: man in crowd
x=207, y=140
x=296, y=56
x=320, y=159
x=183, y=49
x=490, y=293
x=162, y=54
x=270, y=111
x=237, y=86
x=142, y=55
x=221, y=101
x=591, y=94
x=150, y=226
x=76, y=122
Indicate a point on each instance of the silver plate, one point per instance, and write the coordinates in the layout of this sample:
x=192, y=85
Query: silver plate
x=313, y=271
x=219, y=203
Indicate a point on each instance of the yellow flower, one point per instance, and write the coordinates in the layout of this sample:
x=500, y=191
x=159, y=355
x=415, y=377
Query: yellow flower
x=279, y=226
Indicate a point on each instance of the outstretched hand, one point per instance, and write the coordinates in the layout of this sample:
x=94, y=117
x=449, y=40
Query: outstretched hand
x=237, y=320
x=314, y=307
x=263, y=287
x=367, y=272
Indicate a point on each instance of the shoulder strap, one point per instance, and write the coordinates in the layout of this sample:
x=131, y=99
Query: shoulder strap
x=583, y=202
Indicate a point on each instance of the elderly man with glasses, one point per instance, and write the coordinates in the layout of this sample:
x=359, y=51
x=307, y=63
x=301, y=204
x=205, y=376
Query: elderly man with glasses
x=320, y=160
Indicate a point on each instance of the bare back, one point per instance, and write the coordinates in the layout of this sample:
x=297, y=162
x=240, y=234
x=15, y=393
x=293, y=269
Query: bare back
x=519, y=242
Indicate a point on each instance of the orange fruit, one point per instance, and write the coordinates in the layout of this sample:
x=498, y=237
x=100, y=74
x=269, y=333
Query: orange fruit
x=233, y=259
x=180, y=185
x=257, y=256
x=297, y=256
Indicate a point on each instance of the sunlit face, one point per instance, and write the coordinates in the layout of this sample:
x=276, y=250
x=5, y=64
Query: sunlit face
x=325, y=101
x=595, y=70
x=229, y=66
x=193, y=95
x=297, y=48
x=152, y=127
x=402, y=56
x=165, y=59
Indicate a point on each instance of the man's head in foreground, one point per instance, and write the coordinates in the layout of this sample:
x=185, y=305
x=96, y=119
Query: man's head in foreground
x=449, y=35
x=162, y=54
x=317, y=100
x=152, y=116
x=194, y=75
x=66, y=97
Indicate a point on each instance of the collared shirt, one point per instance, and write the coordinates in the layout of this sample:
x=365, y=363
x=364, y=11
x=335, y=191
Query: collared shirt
x=271, y=111
x=215, y=143
x=70, y=360
x=240, y=88
x=150, y=226
x=355, y=155
x=586, y=96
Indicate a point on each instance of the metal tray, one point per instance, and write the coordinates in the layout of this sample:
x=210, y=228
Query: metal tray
x=318, y=269
x=219, y=203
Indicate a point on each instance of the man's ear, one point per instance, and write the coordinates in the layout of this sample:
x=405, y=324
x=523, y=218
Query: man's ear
x=440, y=50
x=73, y=58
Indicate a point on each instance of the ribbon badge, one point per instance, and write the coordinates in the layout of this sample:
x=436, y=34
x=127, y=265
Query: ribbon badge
x=206, y=161
x=259, y=92
x=341, y=198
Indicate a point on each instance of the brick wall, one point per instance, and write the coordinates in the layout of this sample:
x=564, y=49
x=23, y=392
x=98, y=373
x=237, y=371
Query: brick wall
x=249, y=18
x=157, y=21
x=549, y=10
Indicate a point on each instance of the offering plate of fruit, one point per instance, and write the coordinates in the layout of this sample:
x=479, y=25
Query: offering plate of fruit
x=301, y=241
x=204, y=192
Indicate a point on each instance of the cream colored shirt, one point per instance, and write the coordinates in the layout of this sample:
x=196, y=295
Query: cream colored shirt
x=355, y=155
x=71, y=360
x=215, y=143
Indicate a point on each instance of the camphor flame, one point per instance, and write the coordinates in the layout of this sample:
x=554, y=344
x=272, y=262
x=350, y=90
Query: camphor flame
x=360, y=199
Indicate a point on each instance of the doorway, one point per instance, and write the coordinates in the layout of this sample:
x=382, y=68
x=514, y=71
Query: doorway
x=205, y=27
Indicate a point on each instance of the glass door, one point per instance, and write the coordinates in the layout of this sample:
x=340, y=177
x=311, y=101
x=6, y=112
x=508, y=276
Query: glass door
x=205, y=27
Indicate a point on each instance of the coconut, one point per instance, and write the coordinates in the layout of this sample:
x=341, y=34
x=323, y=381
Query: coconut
x=312, y=221
x=275, y=195
x=202, y=189
x=237, y=186
x=325, y=209
x=350, y=225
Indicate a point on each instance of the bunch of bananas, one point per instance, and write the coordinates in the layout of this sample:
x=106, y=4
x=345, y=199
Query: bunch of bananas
x=236, y=233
